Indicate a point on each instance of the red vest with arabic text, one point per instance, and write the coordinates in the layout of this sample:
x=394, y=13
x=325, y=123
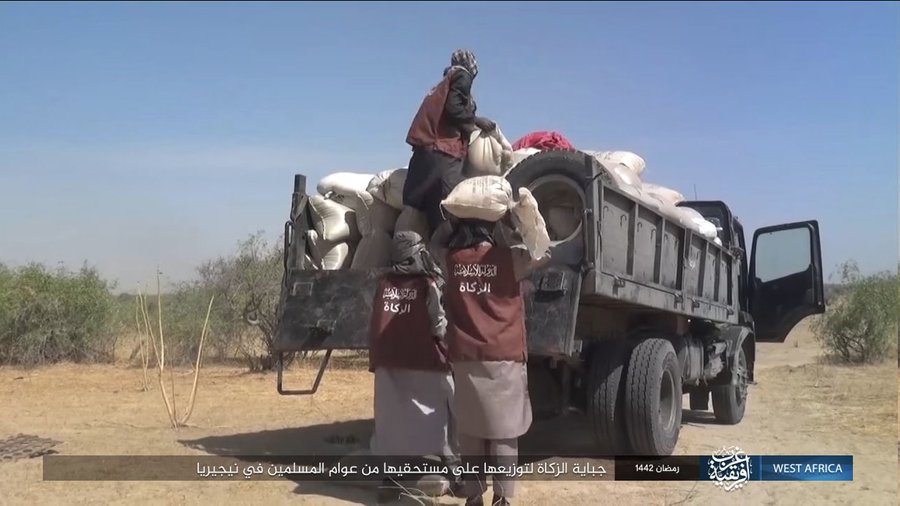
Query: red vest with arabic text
x=400, y=328
x=485, y=308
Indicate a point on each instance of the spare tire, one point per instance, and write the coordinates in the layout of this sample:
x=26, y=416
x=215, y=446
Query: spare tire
x=558, y=181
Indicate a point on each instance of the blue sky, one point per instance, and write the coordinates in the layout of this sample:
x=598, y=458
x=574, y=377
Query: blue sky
x=138, y=134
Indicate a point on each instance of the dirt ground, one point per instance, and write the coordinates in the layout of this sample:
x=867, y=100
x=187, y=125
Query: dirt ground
x=799, y=406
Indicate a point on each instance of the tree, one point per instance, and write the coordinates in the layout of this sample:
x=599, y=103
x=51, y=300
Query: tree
x=247, y=285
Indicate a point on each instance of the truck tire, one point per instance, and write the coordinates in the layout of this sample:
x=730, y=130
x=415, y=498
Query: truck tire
x=653, y=398
x=606, y=396
x=729, y=402
x=572, y=164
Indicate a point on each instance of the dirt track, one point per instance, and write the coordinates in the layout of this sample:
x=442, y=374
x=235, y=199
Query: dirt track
x=798, y=406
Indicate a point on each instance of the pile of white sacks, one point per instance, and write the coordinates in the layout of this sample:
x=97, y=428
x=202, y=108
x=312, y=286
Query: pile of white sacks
x=627, y=170
x=355, y=215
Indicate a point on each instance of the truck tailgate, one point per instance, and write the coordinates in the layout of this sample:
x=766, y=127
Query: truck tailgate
x=331, y=310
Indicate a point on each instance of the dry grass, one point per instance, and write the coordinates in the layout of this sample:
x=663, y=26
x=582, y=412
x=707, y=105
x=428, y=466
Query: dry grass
x=799, y=407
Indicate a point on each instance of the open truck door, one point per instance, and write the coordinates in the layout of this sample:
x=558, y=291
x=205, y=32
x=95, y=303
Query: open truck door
x=785, y=278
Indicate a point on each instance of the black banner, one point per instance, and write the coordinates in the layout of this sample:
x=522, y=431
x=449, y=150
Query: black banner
x=313, y=468
x=732, y=469
x=677, y=468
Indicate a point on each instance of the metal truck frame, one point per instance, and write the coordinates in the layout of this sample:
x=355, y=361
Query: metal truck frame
x=633, y=311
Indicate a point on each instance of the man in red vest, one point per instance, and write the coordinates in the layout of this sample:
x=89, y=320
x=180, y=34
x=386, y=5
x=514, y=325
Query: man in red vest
x=413, y=383
x=487, y=347
x=439, y=136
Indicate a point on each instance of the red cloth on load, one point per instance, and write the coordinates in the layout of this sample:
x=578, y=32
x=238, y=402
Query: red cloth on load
x=544, y=141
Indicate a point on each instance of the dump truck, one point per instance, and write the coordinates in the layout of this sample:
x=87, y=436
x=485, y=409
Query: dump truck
x=634, y=310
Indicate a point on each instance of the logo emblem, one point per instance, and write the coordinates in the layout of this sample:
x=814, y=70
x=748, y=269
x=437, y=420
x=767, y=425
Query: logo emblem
x=729, y=468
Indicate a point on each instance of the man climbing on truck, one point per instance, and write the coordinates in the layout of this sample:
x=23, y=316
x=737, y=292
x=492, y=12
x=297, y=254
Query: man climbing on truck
x=439, y=137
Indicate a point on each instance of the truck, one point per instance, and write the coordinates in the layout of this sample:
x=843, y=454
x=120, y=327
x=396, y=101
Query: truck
x=634, y=311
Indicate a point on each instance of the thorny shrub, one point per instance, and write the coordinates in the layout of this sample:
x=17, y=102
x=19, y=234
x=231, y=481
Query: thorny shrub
x=860, y=326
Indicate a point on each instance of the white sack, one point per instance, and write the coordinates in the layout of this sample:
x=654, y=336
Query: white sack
x=387, y=186
x=562, y=221
x=333, y=222
x=373, y=251
x=633, y=162
x=413, y=220
x=692, y=219
x=667, y=195
x=349, y=189
x=625, y=176
x=657, y=204
x=382, y=218
x=346, y=183
x=337, y=258
x=328, y=255
x=485, y=198
x=520, y=154
x=490, y=154
x=530, y=225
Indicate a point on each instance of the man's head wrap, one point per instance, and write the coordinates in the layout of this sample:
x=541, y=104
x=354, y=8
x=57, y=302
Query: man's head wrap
x=470, y=232
x=465, y=59
x=409, y=255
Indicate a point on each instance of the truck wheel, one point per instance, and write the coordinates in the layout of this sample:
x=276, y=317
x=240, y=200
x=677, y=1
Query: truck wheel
x=606, y=396
x=571, y=164
x=730, y=402
x=653, y=397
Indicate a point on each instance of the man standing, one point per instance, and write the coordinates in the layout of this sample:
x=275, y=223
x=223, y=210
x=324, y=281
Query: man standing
x=439, y=136
x=413, y=383
x=487, y=346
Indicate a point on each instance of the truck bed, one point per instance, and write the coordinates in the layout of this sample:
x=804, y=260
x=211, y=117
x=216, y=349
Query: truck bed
x=629, y=256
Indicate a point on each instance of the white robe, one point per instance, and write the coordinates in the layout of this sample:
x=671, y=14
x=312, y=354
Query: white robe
x=492, y=399
x=413, y=413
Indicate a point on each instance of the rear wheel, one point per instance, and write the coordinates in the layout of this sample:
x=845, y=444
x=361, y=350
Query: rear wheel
x=653, y=398
x=730, y=402
x=606, y=396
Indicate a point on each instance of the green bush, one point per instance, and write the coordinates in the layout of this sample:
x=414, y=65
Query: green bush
x=50, y=316
x=247, y=286
x=860, y=325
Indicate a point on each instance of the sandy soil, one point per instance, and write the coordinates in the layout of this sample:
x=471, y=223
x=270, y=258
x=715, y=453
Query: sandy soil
x=799, y=406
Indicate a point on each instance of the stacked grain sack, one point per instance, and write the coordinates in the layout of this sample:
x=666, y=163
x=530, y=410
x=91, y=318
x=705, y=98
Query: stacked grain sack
x=627, y=169
x=487, y=195
x=387, y=187
x=490, y=154
x=354, y=218
x=490, y=198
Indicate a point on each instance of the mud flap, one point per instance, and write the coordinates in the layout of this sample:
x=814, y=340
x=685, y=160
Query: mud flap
x=551, y=310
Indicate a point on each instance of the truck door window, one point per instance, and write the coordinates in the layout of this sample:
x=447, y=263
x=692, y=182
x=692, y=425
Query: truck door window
x=782, y=253
x=785, y=278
